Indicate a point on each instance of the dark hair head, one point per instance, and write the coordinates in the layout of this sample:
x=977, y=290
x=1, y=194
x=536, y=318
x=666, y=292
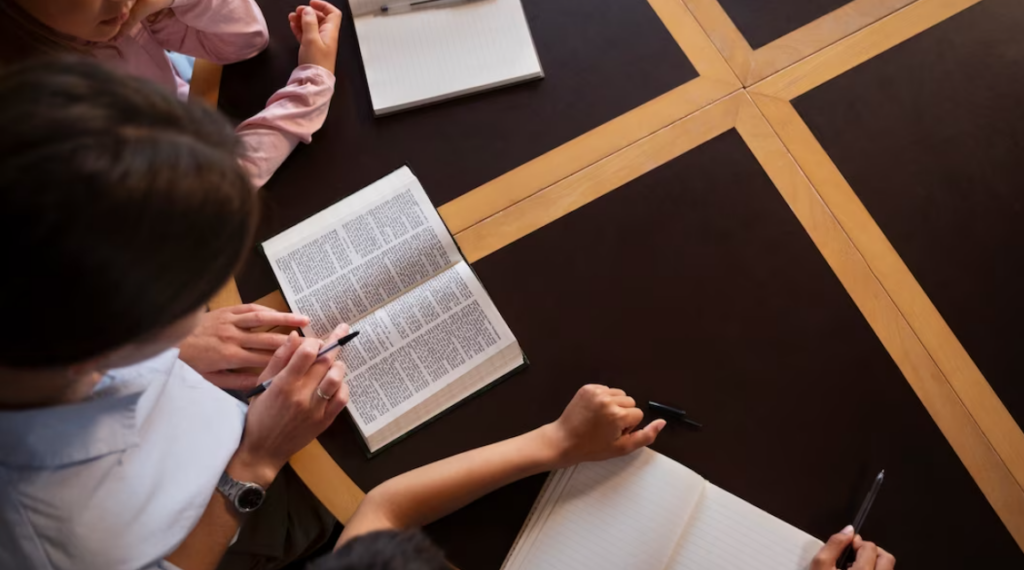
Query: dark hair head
x=385, y=550
x=122, y=210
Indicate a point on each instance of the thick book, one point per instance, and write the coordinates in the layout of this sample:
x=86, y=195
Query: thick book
x=430, y=54
x=647, y=512
x=383, y=261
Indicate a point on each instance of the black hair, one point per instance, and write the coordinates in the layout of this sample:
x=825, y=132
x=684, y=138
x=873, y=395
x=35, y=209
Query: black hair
x=385, y=550
x=122, y=209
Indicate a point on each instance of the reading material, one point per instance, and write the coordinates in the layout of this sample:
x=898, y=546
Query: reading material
x=647, y=512
x=383, y=261
x=426, y=55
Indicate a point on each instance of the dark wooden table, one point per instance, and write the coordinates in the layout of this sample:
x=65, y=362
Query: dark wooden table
x=601, y=59
x=930, y=135
x=693, y=285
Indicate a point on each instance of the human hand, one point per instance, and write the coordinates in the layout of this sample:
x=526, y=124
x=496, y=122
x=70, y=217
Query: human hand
x=598, y=424
x=306, y=395
x=141, y=10
x=316, y=29
x=869, y=556
x=224, y=341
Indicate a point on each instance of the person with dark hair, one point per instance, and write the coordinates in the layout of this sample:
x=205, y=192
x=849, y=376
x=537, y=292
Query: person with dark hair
x=122, y=210
x=134, y=36
x=385, y=550
x=599, y=423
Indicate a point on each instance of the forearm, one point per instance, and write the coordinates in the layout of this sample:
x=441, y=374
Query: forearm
x=204, y=547
x=432, y=491
x=292, y=115
x=222, y=31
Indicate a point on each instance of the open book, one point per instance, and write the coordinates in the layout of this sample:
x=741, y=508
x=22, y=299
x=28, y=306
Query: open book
x=430, y=54
x=647, y=512
x=383, y=261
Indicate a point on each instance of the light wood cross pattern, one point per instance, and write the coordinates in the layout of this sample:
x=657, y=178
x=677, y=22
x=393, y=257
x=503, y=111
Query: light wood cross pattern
x=749, y=90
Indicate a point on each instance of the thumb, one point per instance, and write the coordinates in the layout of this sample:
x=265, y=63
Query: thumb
x=643, y=437
x=310, y=26
x=833, y=549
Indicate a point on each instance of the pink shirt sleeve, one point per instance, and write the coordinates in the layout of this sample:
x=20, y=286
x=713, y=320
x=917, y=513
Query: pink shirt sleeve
x=293, y=114
x=221, y=31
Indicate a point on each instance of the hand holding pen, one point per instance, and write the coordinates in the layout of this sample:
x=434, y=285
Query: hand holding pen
x=328, y=347
x=848, y=543
x=306, y=396
x=869, y=556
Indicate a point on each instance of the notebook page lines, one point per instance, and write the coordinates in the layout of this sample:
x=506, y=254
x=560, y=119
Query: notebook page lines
x=535, y=521
x=623, y=513
x=727, y=533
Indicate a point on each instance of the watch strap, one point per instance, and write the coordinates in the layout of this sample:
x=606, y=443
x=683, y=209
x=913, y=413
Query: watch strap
x=232, y=490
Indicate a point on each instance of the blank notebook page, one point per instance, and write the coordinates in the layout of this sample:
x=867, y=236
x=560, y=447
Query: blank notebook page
x=428, y=55
x=622, y=513
x=728, y=533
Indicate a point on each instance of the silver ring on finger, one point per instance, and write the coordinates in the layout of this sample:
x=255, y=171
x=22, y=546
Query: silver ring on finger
x=321, y=394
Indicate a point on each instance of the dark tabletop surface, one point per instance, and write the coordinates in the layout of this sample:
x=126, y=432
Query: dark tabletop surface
x=696, y=286
x=930, y=136
x=602, y=58
x=764, y=21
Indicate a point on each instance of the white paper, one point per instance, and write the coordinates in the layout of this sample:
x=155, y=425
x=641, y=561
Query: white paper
x=428, y=55
x=647, y=512
x=383, y=261
x=413, y=347
x=622, y=513
x=361, y=253
x=727, y=533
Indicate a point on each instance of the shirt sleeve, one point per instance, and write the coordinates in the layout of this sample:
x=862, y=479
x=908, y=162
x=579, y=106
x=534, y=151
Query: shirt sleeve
x=164, y=565
x=221, y=31
x=292, y=115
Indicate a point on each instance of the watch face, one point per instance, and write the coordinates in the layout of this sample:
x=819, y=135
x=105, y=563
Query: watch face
x=249, y=498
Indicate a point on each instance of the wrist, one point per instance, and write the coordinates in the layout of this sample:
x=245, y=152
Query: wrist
x=249, y=468
x=553, y=446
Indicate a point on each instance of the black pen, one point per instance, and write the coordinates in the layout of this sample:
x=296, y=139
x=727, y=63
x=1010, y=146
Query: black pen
x=862, y=514
x=336, y=344
x=677, y=413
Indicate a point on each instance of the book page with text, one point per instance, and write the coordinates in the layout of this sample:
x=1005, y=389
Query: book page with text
x=621, y=513
x=726, y=533
x=361, y=253
x=417, y=344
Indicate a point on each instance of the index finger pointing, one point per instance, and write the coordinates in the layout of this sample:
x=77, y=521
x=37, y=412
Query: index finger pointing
x=270, y=318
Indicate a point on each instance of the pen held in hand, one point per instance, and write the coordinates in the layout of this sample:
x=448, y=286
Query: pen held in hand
x=862, y=514
x=336, y=344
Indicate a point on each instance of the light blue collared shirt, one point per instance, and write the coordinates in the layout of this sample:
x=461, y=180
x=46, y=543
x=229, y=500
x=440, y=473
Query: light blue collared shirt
x=117, y=481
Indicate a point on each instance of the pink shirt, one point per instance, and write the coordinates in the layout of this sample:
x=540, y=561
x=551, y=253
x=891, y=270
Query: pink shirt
x=226, y=31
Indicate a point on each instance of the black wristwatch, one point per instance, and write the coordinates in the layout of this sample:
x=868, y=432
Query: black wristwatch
x=246, y=497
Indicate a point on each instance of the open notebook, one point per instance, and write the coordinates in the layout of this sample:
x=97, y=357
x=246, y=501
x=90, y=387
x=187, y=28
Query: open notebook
x=428, y=55
x=383, y=261
x=647, y=512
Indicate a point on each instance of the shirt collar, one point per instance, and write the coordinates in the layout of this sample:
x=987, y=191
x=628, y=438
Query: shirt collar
x=106, y=423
